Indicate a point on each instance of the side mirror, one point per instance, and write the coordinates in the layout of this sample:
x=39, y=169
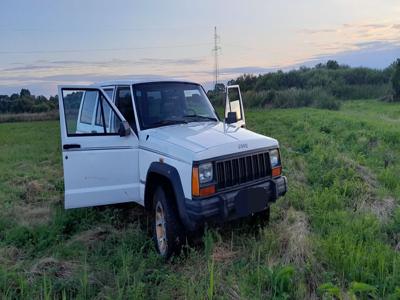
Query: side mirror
x=124, y=129
x=231, y=118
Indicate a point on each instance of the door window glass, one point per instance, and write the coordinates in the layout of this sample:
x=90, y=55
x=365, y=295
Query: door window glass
x=234, y=102
x=123, y=101
x=78, y=112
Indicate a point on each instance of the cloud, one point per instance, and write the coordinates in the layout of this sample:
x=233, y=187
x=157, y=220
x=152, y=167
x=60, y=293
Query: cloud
x=27, y=68
x=355, y=30
x=47, y=85
x=51, y=65
x=237, y=70
x=371, y=44
x=316, y=31
x=247, y=70
x=375, y=26
x=374, y=54
x=95, y=77
x=377, y=54
x=168, y=61
x=44, y=75
x=375, y=45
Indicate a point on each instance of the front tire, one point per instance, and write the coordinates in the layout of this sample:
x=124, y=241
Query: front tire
x=167, y=228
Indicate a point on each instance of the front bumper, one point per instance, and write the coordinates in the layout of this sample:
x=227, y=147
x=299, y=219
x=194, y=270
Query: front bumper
x=235, y=204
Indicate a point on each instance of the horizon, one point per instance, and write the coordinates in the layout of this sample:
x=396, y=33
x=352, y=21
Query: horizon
x=211, y=84
x=67, y=45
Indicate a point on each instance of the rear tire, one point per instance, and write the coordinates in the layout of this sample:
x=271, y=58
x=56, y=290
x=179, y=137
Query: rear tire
x=167, y=228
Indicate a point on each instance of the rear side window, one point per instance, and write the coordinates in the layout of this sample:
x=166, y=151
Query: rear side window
x=123, y=101
x=109, y=93
x=89, y=102
x=107, y=110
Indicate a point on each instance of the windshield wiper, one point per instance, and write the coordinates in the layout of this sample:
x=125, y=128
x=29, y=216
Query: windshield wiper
x=168, y=122
x=201, y=117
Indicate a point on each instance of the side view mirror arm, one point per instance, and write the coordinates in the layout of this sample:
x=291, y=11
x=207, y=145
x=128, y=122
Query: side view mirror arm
x=231, y=118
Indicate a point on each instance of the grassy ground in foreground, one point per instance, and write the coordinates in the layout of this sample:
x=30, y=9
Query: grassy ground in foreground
x=335, y=234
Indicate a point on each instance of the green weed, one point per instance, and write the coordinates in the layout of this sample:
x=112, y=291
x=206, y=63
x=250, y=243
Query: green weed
x=343, y=196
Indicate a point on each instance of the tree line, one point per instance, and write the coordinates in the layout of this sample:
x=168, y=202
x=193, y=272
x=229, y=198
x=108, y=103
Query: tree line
x=25, y=102
x=323, y=85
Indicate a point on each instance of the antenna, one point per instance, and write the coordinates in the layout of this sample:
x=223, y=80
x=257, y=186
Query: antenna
x=216, y=53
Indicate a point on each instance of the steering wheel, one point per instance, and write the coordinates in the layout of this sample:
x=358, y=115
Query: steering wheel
x=190, y=110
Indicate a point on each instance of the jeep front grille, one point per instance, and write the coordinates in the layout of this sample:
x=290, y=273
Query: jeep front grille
x=244, y=169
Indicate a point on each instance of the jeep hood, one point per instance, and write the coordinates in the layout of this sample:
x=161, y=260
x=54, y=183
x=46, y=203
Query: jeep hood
x=209, y=137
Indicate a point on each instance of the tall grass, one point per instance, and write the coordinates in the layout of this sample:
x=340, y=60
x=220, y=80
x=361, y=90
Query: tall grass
x=29, y=117
x=336, y=234
x=291, y=98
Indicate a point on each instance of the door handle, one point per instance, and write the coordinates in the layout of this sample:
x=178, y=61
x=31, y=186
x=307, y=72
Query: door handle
x=71, y=146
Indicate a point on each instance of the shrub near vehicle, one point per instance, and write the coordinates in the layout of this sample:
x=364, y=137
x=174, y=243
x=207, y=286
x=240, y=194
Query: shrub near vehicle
x=162, y=145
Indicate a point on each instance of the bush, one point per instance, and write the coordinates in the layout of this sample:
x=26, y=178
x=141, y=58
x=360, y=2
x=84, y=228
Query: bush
x=291, y=98
x=217, y=98
x=29, y=117
x=25, y=102
x=396, y=81
x=321, y=86
x=257, y=99
x=360, y=91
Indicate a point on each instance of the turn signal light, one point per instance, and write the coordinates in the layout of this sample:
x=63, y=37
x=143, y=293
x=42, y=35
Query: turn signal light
x=206, y=191
x=196, y=190
x=195, y=182
x=276, y=171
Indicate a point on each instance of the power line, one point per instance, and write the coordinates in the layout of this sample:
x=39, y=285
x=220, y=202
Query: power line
x=102, y=29
x=102, y=49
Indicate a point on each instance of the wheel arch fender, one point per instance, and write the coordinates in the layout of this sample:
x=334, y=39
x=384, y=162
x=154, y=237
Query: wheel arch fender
x=162, y=171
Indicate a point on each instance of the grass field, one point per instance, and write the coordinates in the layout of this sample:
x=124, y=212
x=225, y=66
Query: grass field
x=29, y=117
x=335, y=235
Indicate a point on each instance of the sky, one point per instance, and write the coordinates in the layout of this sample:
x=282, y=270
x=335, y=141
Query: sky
x=45, y=43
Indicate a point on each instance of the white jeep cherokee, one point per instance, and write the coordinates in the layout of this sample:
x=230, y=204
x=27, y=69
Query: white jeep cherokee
x=162, y=145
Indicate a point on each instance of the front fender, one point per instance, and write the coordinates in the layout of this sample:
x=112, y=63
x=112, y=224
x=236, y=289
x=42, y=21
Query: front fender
x=172, y=175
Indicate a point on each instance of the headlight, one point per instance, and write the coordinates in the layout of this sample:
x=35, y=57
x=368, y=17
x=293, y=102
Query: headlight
x=206, y=173
x=274, y=158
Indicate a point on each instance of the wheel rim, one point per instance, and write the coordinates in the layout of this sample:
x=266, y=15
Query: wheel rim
x=160, y=229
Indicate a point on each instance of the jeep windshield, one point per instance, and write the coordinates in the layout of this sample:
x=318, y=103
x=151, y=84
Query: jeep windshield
x=169, y=103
